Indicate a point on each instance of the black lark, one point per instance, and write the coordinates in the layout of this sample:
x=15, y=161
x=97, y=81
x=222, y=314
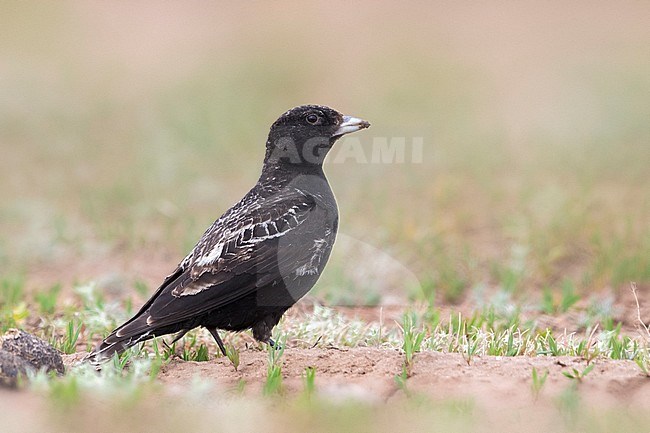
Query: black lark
x=264, y=253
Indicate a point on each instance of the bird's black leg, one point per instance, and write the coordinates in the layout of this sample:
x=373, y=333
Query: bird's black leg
x=215, y=334
x=262, y=330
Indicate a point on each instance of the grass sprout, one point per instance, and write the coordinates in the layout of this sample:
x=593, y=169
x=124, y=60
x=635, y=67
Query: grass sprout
x=232, y=353
x=412, y=339
x=538, y=382
x=192, y=351
x=68, y=343
x=578, y=375
x=273, y=383
x=643, y=362
x=401, y=380
x=310, y=381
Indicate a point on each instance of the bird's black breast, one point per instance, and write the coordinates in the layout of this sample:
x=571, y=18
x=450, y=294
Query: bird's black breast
x=301, y=255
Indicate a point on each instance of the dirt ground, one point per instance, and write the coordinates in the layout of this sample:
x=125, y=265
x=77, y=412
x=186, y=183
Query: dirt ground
x=497, y=388
x=493, y=383
x=488, y=394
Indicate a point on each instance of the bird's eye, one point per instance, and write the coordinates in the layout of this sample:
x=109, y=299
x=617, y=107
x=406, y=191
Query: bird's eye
x=312, y=118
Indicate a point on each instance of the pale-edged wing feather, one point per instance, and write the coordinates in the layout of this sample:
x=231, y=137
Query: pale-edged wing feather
x=242, y=247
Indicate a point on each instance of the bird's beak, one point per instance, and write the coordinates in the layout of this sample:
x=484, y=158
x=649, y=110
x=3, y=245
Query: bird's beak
x=350, y=124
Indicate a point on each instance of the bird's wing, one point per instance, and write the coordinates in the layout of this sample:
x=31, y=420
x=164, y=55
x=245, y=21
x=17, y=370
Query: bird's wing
x=235, y=257
x=241, y=240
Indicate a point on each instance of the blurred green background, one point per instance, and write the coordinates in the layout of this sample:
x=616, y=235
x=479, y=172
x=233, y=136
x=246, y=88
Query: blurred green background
x=128, y=127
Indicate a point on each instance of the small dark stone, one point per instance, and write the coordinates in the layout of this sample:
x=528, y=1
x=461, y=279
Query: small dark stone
x=11, y=368
x=33, y=350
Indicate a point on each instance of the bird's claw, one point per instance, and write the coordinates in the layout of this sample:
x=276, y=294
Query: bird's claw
x=273, y=344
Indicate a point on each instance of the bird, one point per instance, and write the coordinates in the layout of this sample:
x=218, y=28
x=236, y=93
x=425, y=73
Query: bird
x=263, y=254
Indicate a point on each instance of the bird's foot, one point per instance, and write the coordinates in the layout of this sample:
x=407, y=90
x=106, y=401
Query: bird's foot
x=273, y=344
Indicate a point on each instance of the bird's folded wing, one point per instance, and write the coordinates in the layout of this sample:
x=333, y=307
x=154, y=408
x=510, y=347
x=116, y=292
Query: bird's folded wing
x=233, y=259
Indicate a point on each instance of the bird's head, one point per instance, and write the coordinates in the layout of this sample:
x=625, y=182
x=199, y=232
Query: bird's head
x=304, y=134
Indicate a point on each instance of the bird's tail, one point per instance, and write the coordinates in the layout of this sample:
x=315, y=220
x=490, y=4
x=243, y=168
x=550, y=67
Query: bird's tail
x=106, y=350
x=120, y=340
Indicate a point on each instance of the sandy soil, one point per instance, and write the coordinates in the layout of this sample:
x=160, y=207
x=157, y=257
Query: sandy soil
x=493, y=383
x=497, y=389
